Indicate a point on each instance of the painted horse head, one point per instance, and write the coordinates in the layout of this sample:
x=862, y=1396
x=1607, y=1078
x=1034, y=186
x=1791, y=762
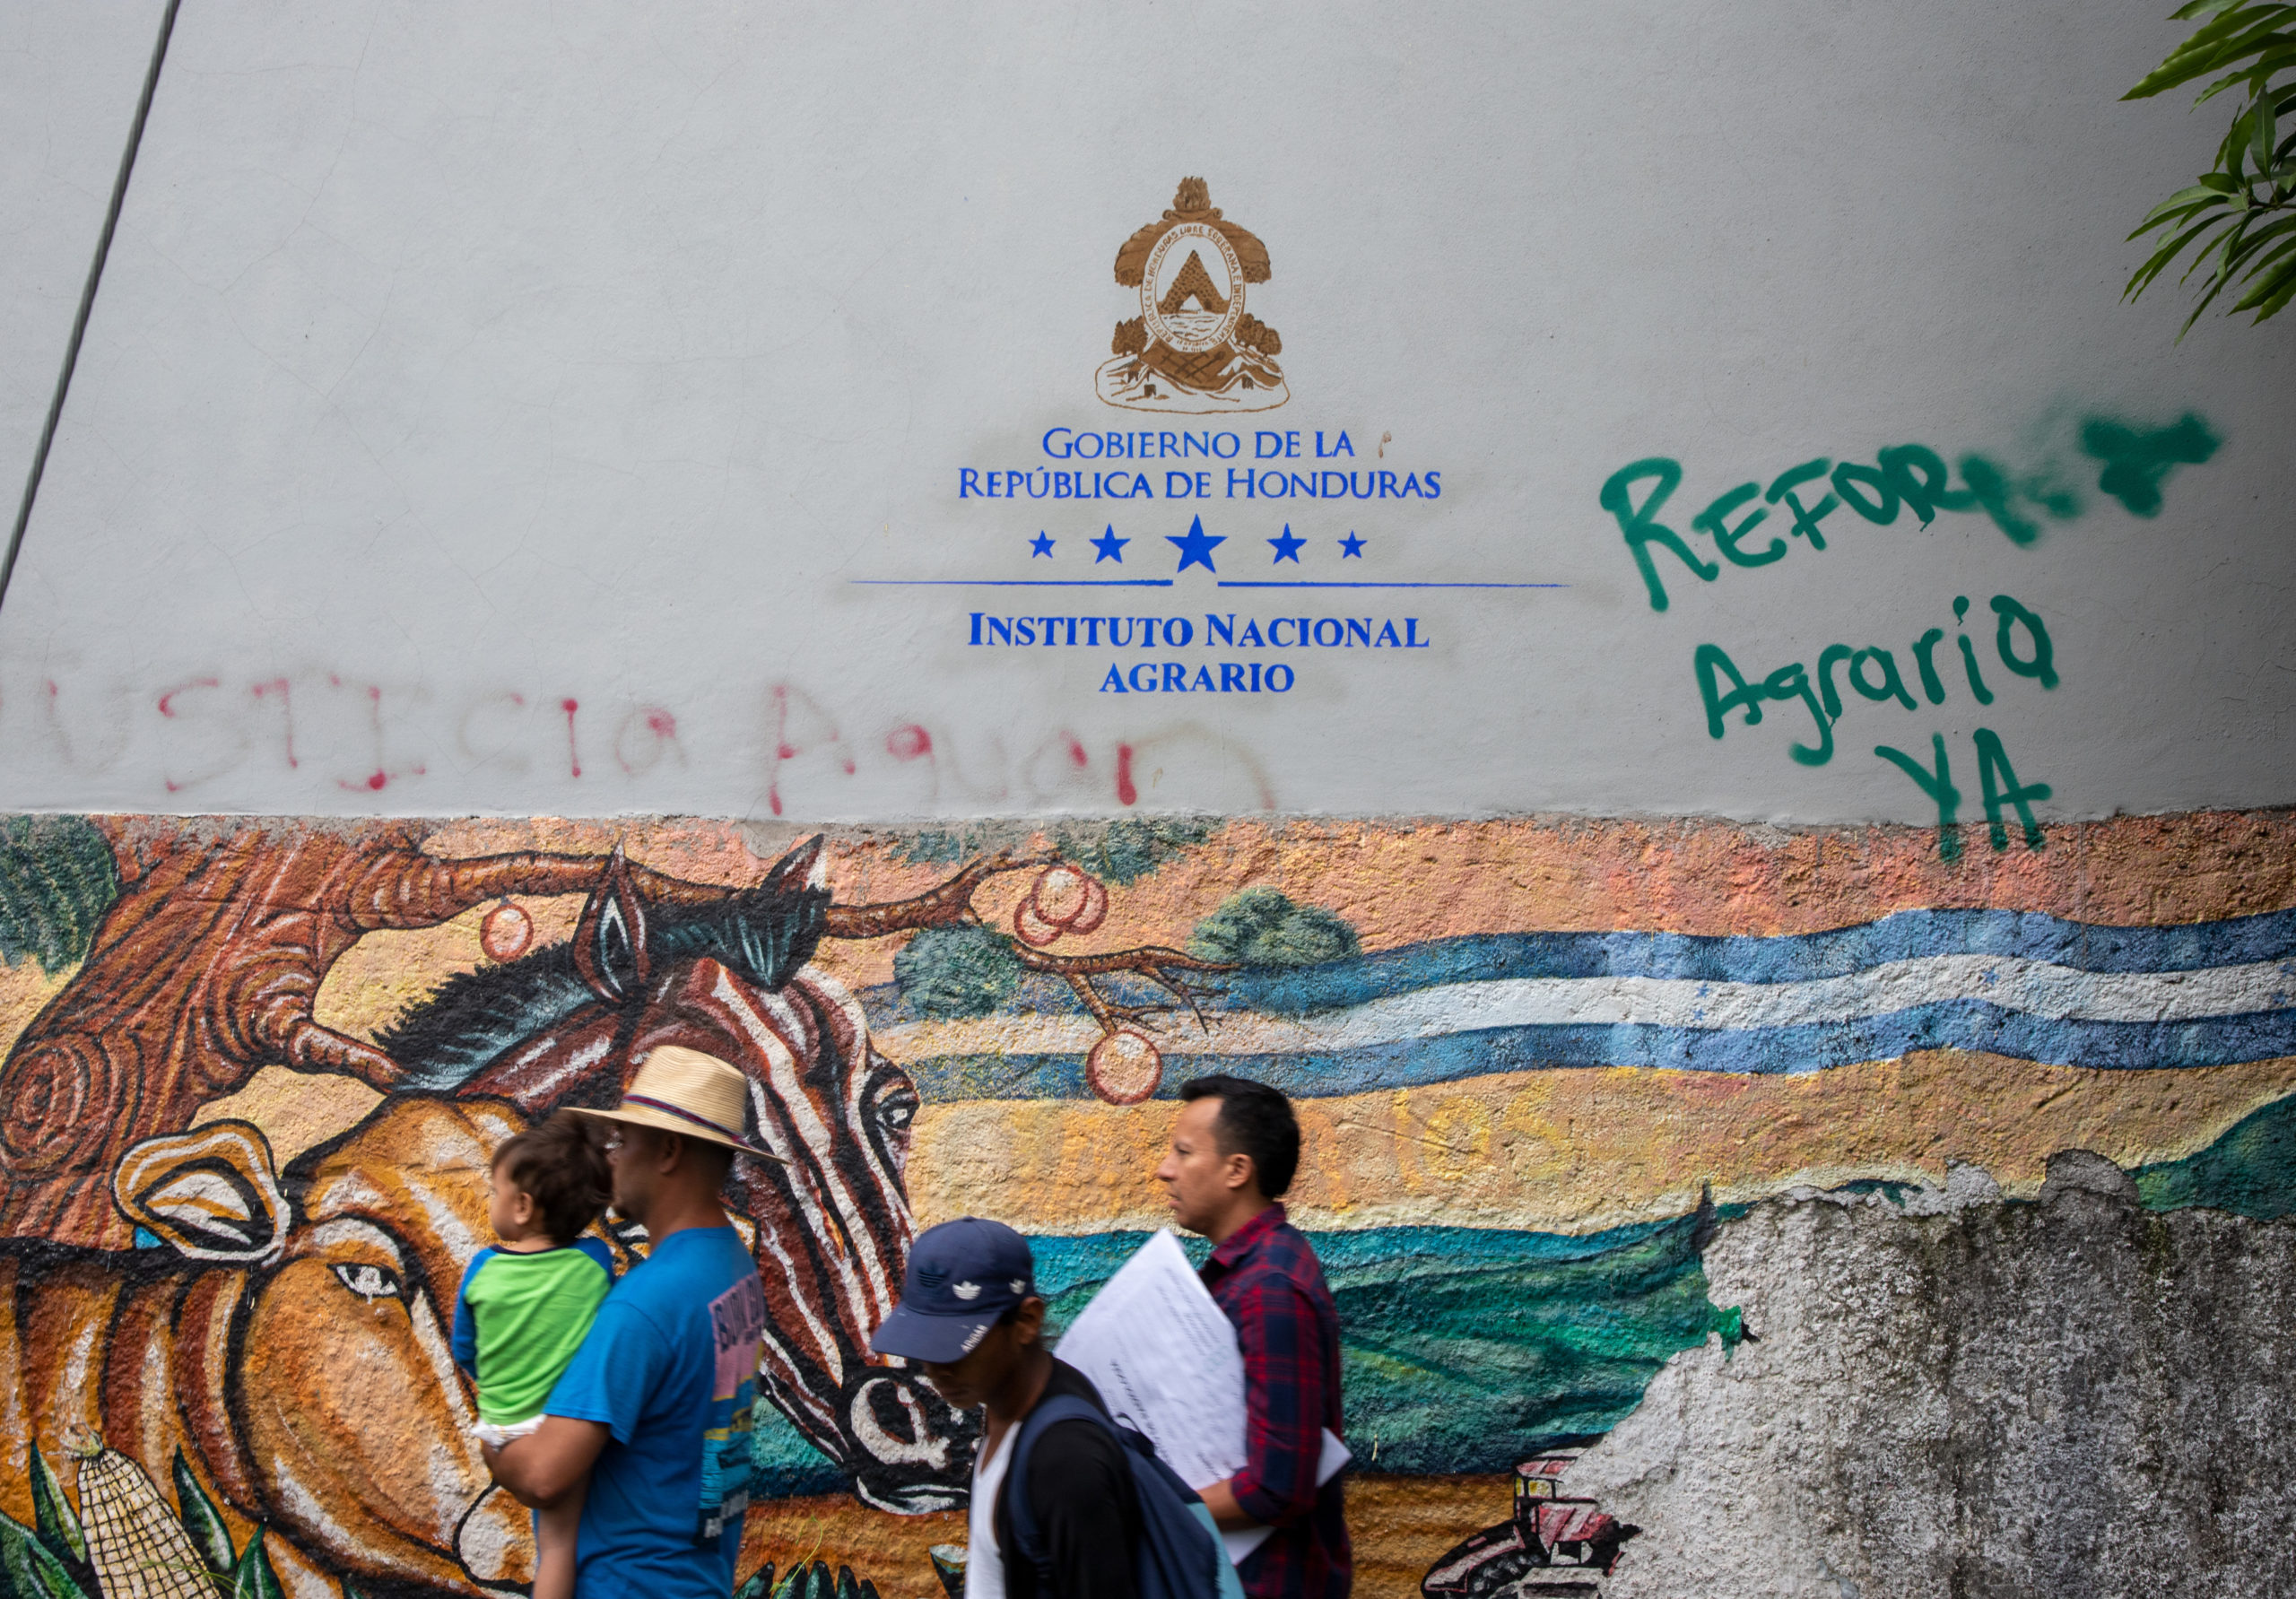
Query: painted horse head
x=832, y=1224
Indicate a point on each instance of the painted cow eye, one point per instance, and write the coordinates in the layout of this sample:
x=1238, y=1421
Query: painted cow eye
x=369, y=1282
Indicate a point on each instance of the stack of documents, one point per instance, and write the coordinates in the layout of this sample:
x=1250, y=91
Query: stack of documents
x=1164, y=1355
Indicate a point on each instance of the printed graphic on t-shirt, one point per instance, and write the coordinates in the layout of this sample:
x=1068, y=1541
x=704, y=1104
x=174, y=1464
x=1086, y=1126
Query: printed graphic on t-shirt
x=737, y=1324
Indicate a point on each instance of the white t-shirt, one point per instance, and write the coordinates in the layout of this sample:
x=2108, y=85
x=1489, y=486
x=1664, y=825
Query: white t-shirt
x=984, y=1563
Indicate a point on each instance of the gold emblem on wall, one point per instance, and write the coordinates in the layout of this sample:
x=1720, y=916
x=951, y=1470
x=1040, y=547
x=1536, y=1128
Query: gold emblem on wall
x=1192, y=348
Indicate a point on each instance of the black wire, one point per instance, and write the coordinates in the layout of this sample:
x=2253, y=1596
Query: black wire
x=87, y=296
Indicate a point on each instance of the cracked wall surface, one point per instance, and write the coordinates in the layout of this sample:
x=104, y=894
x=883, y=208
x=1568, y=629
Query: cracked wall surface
x=1961, y=1397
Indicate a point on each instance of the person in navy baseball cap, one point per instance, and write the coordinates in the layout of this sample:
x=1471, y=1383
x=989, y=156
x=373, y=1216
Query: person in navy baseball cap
x=962, y=1277
x=971, y=1316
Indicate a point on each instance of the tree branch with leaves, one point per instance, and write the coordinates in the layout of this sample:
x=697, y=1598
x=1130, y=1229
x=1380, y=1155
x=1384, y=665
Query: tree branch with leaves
x=2239, y=220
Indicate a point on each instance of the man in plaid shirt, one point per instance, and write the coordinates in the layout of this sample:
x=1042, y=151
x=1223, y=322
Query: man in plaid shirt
x=1234, y=1149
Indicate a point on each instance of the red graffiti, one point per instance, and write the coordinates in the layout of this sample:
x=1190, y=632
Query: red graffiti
x=1126, y=794
x=278, y=685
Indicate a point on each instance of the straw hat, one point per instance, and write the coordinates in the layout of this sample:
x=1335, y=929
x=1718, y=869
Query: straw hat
x=683, y=1090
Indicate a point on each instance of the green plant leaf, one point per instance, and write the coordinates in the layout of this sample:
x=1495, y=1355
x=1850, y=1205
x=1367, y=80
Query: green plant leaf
x=55, y=1521
x=2271, y=293
x=57, y=1524
x=57, y=878
x=29, y=1571
x=202, y=1520
x=2197, y=195
x=253, y=1578
x=2167, y=253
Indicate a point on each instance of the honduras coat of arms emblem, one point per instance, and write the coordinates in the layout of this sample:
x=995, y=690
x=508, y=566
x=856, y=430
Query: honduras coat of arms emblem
x=1192, y=348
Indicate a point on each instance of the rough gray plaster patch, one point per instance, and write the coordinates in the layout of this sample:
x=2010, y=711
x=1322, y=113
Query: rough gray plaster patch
x=2069, y=1398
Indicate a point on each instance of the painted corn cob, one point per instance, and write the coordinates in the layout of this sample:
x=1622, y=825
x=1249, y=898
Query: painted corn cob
x=137, y=1547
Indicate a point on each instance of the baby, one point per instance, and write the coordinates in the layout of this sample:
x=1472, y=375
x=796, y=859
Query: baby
x=526, y=1304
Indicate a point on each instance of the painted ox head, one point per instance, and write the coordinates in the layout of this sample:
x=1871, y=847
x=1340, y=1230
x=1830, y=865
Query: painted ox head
x=342, y=1421
x=832, y=1218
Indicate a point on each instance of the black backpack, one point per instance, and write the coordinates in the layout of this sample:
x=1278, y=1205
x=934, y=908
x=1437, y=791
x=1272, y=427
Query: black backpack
x=1181, y=1556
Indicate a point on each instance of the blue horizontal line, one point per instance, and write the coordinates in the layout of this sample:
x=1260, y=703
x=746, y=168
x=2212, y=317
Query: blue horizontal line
x=1289, y=583
x=1967, y=1025
x=1015, y=582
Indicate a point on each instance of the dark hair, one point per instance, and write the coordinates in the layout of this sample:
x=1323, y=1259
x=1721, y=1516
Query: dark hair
x=562, y=1167
x=1254, y=1120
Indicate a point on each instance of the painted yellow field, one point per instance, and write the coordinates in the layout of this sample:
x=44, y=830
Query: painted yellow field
x=1399, y=1524
x=1583, y=1149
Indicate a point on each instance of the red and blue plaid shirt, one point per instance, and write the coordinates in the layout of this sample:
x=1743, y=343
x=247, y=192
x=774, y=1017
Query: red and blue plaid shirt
x=1268, y=1281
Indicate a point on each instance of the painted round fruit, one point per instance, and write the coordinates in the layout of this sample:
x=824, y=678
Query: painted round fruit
x=1124, y=1067
x=506, y=931
x=1032, y=929
x=1059, y=895
x=1095, y=910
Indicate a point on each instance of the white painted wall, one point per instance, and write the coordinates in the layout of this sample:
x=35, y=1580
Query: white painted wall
x=457, y=363
x=69, y=75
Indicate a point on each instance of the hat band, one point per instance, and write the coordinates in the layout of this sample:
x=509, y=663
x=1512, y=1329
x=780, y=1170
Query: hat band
x=683, y=1115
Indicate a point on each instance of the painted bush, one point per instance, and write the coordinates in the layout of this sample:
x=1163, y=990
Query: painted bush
x=253, y=1072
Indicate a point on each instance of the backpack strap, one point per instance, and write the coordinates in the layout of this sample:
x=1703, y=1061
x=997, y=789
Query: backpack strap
x=1028, y=1537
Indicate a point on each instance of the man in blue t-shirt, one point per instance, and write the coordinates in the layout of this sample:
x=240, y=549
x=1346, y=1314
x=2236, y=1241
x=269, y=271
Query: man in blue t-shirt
x=654, y=1409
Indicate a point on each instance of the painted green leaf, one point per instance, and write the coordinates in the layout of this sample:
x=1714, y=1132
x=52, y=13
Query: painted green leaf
x=58, y=1526
x=253, y=1578
x=957, y=971
x=202, y=1520
x=27, y=1571
x=1124, y=851
x=1264, y=927
x=57, y=877
x=759, y=1585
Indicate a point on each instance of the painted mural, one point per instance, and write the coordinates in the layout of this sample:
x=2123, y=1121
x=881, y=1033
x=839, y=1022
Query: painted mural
x=253, y=1073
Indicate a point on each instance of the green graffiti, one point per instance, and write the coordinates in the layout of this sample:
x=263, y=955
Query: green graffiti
x=1995, y=777
x=1872, y=669
x=1805, y=518
x=1903, y=477
x=2042, y=666
x=1938, y=785
x=2137, y=460
x=1640, y=525
x=1714, y=522
x=1933, y=687
x=1789, y=681
x=1998, y=779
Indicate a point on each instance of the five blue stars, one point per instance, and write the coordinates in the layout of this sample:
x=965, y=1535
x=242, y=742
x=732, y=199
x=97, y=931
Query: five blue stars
x=1195, y=546
x=1196, y=549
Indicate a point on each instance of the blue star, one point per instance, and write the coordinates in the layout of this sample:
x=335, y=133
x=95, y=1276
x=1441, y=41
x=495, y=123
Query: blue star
x=1196, y=549
x=1040, y=545
x=1287, y=548
x=1350, y=546
x=1110, y=547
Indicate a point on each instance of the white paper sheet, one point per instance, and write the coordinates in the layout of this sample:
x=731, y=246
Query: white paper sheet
x=1164, y=1355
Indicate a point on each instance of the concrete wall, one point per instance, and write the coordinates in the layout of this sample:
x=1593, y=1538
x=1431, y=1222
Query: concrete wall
x=252, y=1068
x=549, y=410
x=715, y=425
